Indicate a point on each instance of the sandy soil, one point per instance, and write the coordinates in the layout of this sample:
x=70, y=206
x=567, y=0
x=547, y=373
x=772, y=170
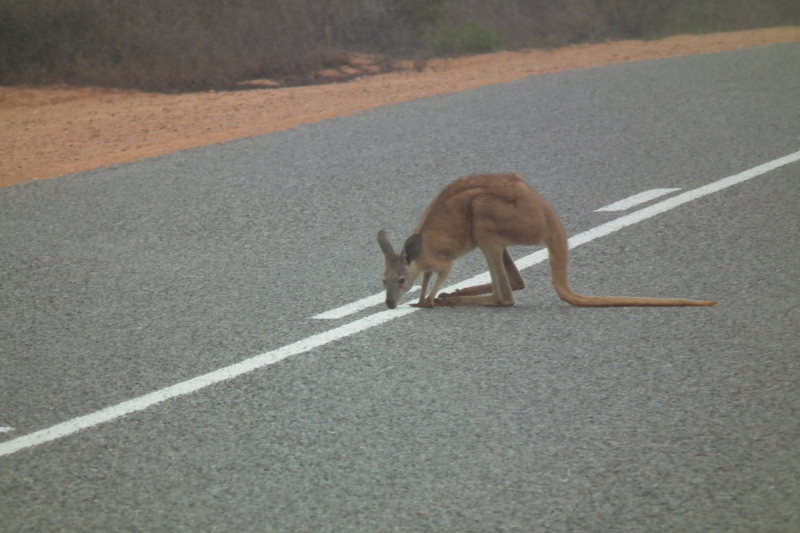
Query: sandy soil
x=49, y=132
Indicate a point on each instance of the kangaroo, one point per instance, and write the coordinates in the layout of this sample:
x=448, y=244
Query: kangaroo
x=489, y=212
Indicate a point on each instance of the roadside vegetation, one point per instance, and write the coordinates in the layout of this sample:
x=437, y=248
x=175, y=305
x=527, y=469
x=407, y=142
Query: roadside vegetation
x=186, y=45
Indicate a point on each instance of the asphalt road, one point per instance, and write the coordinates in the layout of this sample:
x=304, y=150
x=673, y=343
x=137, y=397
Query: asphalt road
x=542, y=417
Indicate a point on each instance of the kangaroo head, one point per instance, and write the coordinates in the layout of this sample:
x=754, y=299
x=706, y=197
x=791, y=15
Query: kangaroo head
x=398, y=276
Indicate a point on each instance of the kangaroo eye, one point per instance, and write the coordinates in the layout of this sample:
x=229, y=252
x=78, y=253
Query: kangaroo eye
x=400, y=281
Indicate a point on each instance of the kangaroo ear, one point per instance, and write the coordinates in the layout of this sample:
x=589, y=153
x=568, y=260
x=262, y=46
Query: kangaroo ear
x=412, y=249
x=383, y=242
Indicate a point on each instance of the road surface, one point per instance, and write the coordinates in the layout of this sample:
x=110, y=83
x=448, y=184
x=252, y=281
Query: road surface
x=153, y=288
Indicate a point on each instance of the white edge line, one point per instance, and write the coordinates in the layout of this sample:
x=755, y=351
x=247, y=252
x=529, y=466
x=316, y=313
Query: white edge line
x=636, y=199
x=304, y=345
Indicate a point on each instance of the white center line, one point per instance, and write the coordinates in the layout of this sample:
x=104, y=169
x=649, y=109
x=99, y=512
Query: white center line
x=320, y=339
x=636, y=199
x=358, y=305
x=6, y=429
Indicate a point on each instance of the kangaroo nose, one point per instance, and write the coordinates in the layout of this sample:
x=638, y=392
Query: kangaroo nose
x=391, y=304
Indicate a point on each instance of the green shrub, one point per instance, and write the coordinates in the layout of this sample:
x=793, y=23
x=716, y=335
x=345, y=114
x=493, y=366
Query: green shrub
x=545, y=43
x=471, y=38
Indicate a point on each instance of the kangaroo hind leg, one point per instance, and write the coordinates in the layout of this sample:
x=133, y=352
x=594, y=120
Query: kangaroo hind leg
x=500, y=288
x=514, y=278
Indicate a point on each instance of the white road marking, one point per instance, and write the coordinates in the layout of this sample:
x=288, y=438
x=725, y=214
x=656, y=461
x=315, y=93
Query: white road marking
x=320, y=339
x=6, y=429
x=355, y=307
x=636, y=199
x=200, y=382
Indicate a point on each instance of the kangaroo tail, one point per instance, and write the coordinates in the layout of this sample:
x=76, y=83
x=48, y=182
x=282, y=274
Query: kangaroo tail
x=559, y=259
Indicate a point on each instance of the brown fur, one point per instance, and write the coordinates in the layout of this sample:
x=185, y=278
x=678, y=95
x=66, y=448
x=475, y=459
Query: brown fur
x=489, y=212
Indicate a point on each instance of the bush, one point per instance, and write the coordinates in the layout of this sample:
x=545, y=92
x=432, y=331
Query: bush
x=171, y=45
x=471, y=38
x=180, y=45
